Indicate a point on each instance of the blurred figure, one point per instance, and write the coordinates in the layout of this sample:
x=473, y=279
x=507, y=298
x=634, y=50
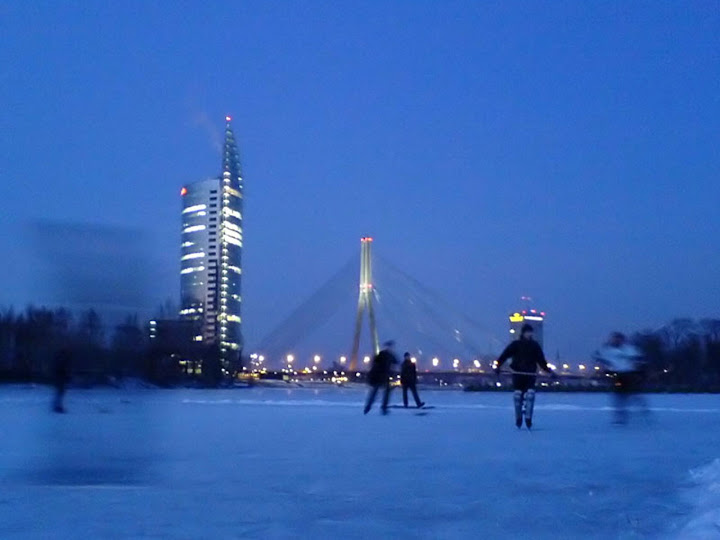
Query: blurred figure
x=527, y=356
x=408, y=380
x=379, y=376
x=61, y=377
x=624, y=362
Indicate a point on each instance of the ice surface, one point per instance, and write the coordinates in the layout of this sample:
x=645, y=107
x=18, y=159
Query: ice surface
x=705, y=494
x=306, y=463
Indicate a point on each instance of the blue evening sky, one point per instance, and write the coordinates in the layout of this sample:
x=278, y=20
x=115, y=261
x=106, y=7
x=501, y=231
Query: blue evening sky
x=565, y=150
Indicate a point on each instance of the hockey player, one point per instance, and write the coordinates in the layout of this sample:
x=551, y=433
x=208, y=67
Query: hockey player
x=527, y=356
x=624, y=362
x=379, y=376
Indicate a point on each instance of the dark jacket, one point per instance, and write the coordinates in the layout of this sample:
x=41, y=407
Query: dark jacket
x=381, y=367
x=408, y=373
x=526, y=354
x=61, y=368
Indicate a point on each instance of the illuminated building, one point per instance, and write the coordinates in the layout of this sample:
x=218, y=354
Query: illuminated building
x=533, y=317
x=211, y=253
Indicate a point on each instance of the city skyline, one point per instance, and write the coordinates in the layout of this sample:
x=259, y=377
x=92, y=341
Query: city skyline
x=565, y=152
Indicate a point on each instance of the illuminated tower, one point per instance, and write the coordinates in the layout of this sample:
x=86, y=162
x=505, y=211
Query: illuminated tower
x=211, y=253
x=365, y=302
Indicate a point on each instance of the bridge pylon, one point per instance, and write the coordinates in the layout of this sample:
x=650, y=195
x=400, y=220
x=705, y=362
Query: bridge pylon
x=365, y=302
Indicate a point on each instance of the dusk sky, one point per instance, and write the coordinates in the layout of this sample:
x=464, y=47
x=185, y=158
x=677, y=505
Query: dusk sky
x=569, y=151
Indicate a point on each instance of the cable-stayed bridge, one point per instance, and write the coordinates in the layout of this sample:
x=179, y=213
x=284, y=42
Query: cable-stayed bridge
x=346, y=319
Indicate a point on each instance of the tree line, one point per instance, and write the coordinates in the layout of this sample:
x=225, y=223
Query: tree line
x=30, y=341
x=683, y=355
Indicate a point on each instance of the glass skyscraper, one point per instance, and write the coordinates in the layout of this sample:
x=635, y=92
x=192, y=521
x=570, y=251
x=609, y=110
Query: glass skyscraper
x=211, y=253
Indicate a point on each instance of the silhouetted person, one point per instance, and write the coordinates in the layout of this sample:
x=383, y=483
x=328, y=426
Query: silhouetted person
x=212, y=366
x=408, y=380
x=624, y=362
x=61, y=377
x=379, y=376
x=527, y=356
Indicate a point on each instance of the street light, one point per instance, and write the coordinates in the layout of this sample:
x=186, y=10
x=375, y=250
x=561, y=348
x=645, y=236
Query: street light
x=435, y=362
x=366, y=359
x=343, y=359
x=317, y=358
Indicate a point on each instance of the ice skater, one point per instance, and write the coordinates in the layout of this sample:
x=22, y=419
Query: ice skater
x=527, y=356
x=624, y=362
x=408, y=380
x=61, y=377
x=379, y=376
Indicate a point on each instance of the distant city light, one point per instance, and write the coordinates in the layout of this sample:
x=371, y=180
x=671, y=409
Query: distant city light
x=413, y=360
x=566, y=366
x=366, y=359
x=228, y=118
x=477, y=363
x=582, y=367
x=290, y=358
x=183, y=192
x=316, y=358
x=343, y=359
x=435, y=362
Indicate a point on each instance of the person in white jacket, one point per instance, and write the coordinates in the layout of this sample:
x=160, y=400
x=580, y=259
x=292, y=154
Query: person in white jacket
x=625, y=363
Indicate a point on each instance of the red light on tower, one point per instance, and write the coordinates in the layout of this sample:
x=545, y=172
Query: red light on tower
x=228, y=118
x=183, y=191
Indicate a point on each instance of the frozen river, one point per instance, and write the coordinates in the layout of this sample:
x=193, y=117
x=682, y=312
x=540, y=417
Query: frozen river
x=306, y=463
